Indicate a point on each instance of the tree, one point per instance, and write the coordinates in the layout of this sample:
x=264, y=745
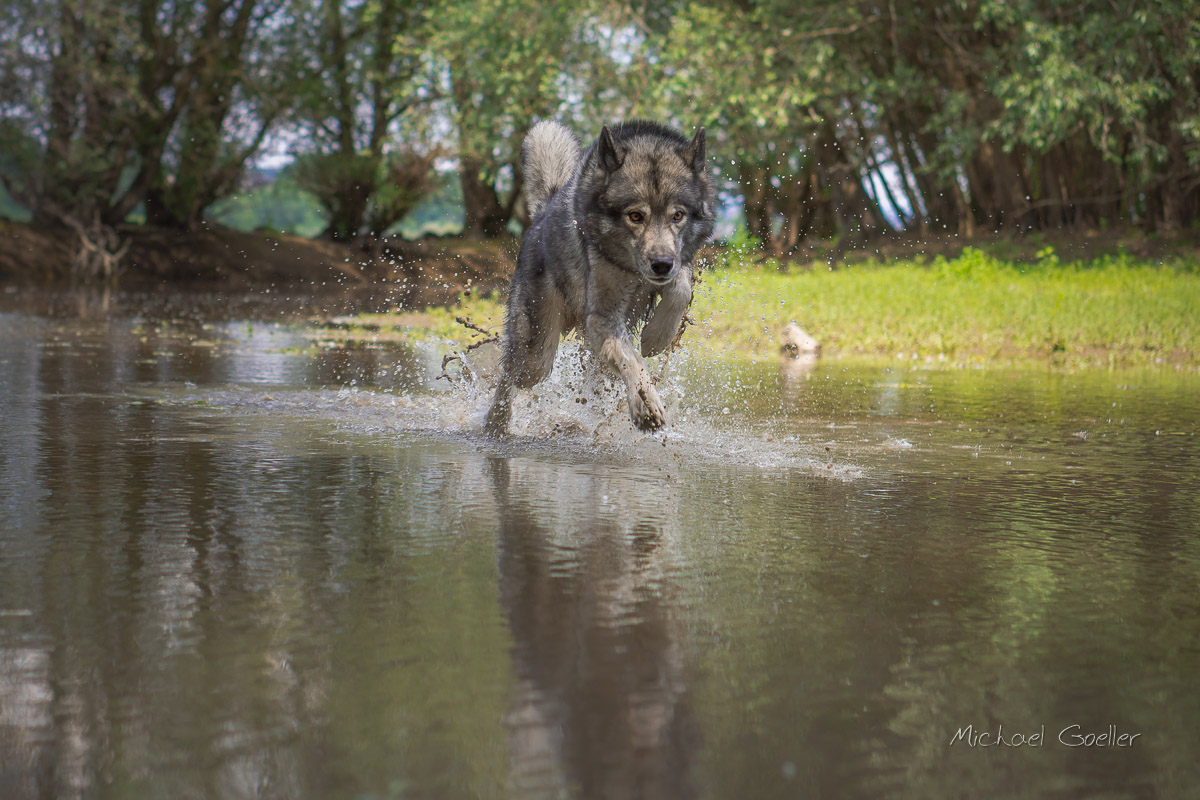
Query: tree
x=364, y=67
x=773, y=80
x=226, y=60
x=135, y=100
x=364, y=194
x=71, y=112
x=505, y=63
x=961, y=116
x=831, y=118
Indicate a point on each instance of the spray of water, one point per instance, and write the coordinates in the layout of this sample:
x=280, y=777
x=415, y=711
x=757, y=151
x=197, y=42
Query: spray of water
x=579, y=411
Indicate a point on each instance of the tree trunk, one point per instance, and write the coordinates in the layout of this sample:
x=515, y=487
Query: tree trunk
x=204, y=171
x=939, y=195
x=1172, y=201
x=756, y=205
x=483, y=215
x=853, y=211
x=918, y=219
x=999, y=187
x=794, y=197
x=158, y=211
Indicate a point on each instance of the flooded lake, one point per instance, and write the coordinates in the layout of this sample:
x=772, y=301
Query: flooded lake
x=238, y=559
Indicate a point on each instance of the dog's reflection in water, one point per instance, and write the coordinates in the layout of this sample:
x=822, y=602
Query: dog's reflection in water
x=601, y=706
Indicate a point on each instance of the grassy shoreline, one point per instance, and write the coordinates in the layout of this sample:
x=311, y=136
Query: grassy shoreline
x=970, y=309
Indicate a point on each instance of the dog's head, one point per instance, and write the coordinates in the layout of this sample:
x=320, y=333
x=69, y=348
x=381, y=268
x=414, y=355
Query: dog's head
x=650, y=203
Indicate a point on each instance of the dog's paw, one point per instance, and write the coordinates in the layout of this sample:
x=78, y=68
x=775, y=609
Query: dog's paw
x=496, y=423
x=647, y=409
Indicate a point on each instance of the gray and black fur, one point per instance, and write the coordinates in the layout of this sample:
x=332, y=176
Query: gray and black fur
x=615, y=230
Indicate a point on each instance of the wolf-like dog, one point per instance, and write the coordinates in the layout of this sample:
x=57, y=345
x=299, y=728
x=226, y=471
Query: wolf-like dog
x=615, y=229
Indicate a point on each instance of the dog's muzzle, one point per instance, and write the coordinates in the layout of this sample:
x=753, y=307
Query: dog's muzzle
x=660, y=270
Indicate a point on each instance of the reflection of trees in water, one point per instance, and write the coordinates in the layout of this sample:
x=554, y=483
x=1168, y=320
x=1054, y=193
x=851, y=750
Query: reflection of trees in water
x=189, y=612
x=601, y=700
x=157, y=579
x=393, y=366
x=188, y=608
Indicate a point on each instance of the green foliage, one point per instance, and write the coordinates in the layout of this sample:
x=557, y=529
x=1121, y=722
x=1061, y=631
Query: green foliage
x=19, y=156
x=972, y=307
x=406, y=179
x=1104, y=75
x=11, y=209
x=361, y=191
x=18, y=152
x=992, y=115
x=740, y=250
x=440, y=213
x=826, y=119
x=280, y=206
x=976, y=307
x=360, y=71
x=505, y=63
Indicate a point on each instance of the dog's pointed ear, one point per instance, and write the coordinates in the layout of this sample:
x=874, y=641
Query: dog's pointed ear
x=694, y=154
x=610, y=157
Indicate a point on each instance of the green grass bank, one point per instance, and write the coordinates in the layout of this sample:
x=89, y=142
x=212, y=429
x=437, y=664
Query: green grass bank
x=973, y=308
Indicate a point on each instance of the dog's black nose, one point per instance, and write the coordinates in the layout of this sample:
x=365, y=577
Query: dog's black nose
x=661, y=268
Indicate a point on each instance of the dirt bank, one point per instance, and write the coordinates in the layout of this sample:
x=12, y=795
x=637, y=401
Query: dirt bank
x=235, y=261
x=434, y=270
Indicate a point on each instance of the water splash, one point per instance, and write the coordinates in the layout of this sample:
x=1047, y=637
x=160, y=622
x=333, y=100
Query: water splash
x=578, y=411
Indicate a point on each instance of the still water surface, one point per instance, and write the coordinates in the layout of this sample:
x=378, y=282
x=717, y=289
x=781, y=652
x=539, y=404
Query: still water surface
x=237, y=561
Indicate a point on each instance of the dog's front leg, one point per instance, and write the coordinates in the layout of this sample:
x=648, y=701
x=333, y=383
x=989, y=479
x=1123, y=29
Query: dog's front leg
x=664, y=323
x=615, y=348
x=496, y=423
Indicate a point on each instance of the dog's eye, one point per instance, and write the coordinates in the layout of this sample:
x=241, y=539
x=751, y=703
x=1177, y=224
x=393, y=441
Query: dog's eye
x=636, y=217
x=678, y=216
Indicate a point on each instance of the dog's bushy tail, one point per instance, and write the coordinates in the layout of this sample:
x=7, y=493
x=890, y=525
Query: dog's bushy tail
x=549, y=157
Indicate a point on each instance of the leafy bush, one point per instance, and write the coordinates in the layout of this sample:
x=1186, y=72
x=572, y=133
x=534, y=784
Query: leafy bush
x=363, y=193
